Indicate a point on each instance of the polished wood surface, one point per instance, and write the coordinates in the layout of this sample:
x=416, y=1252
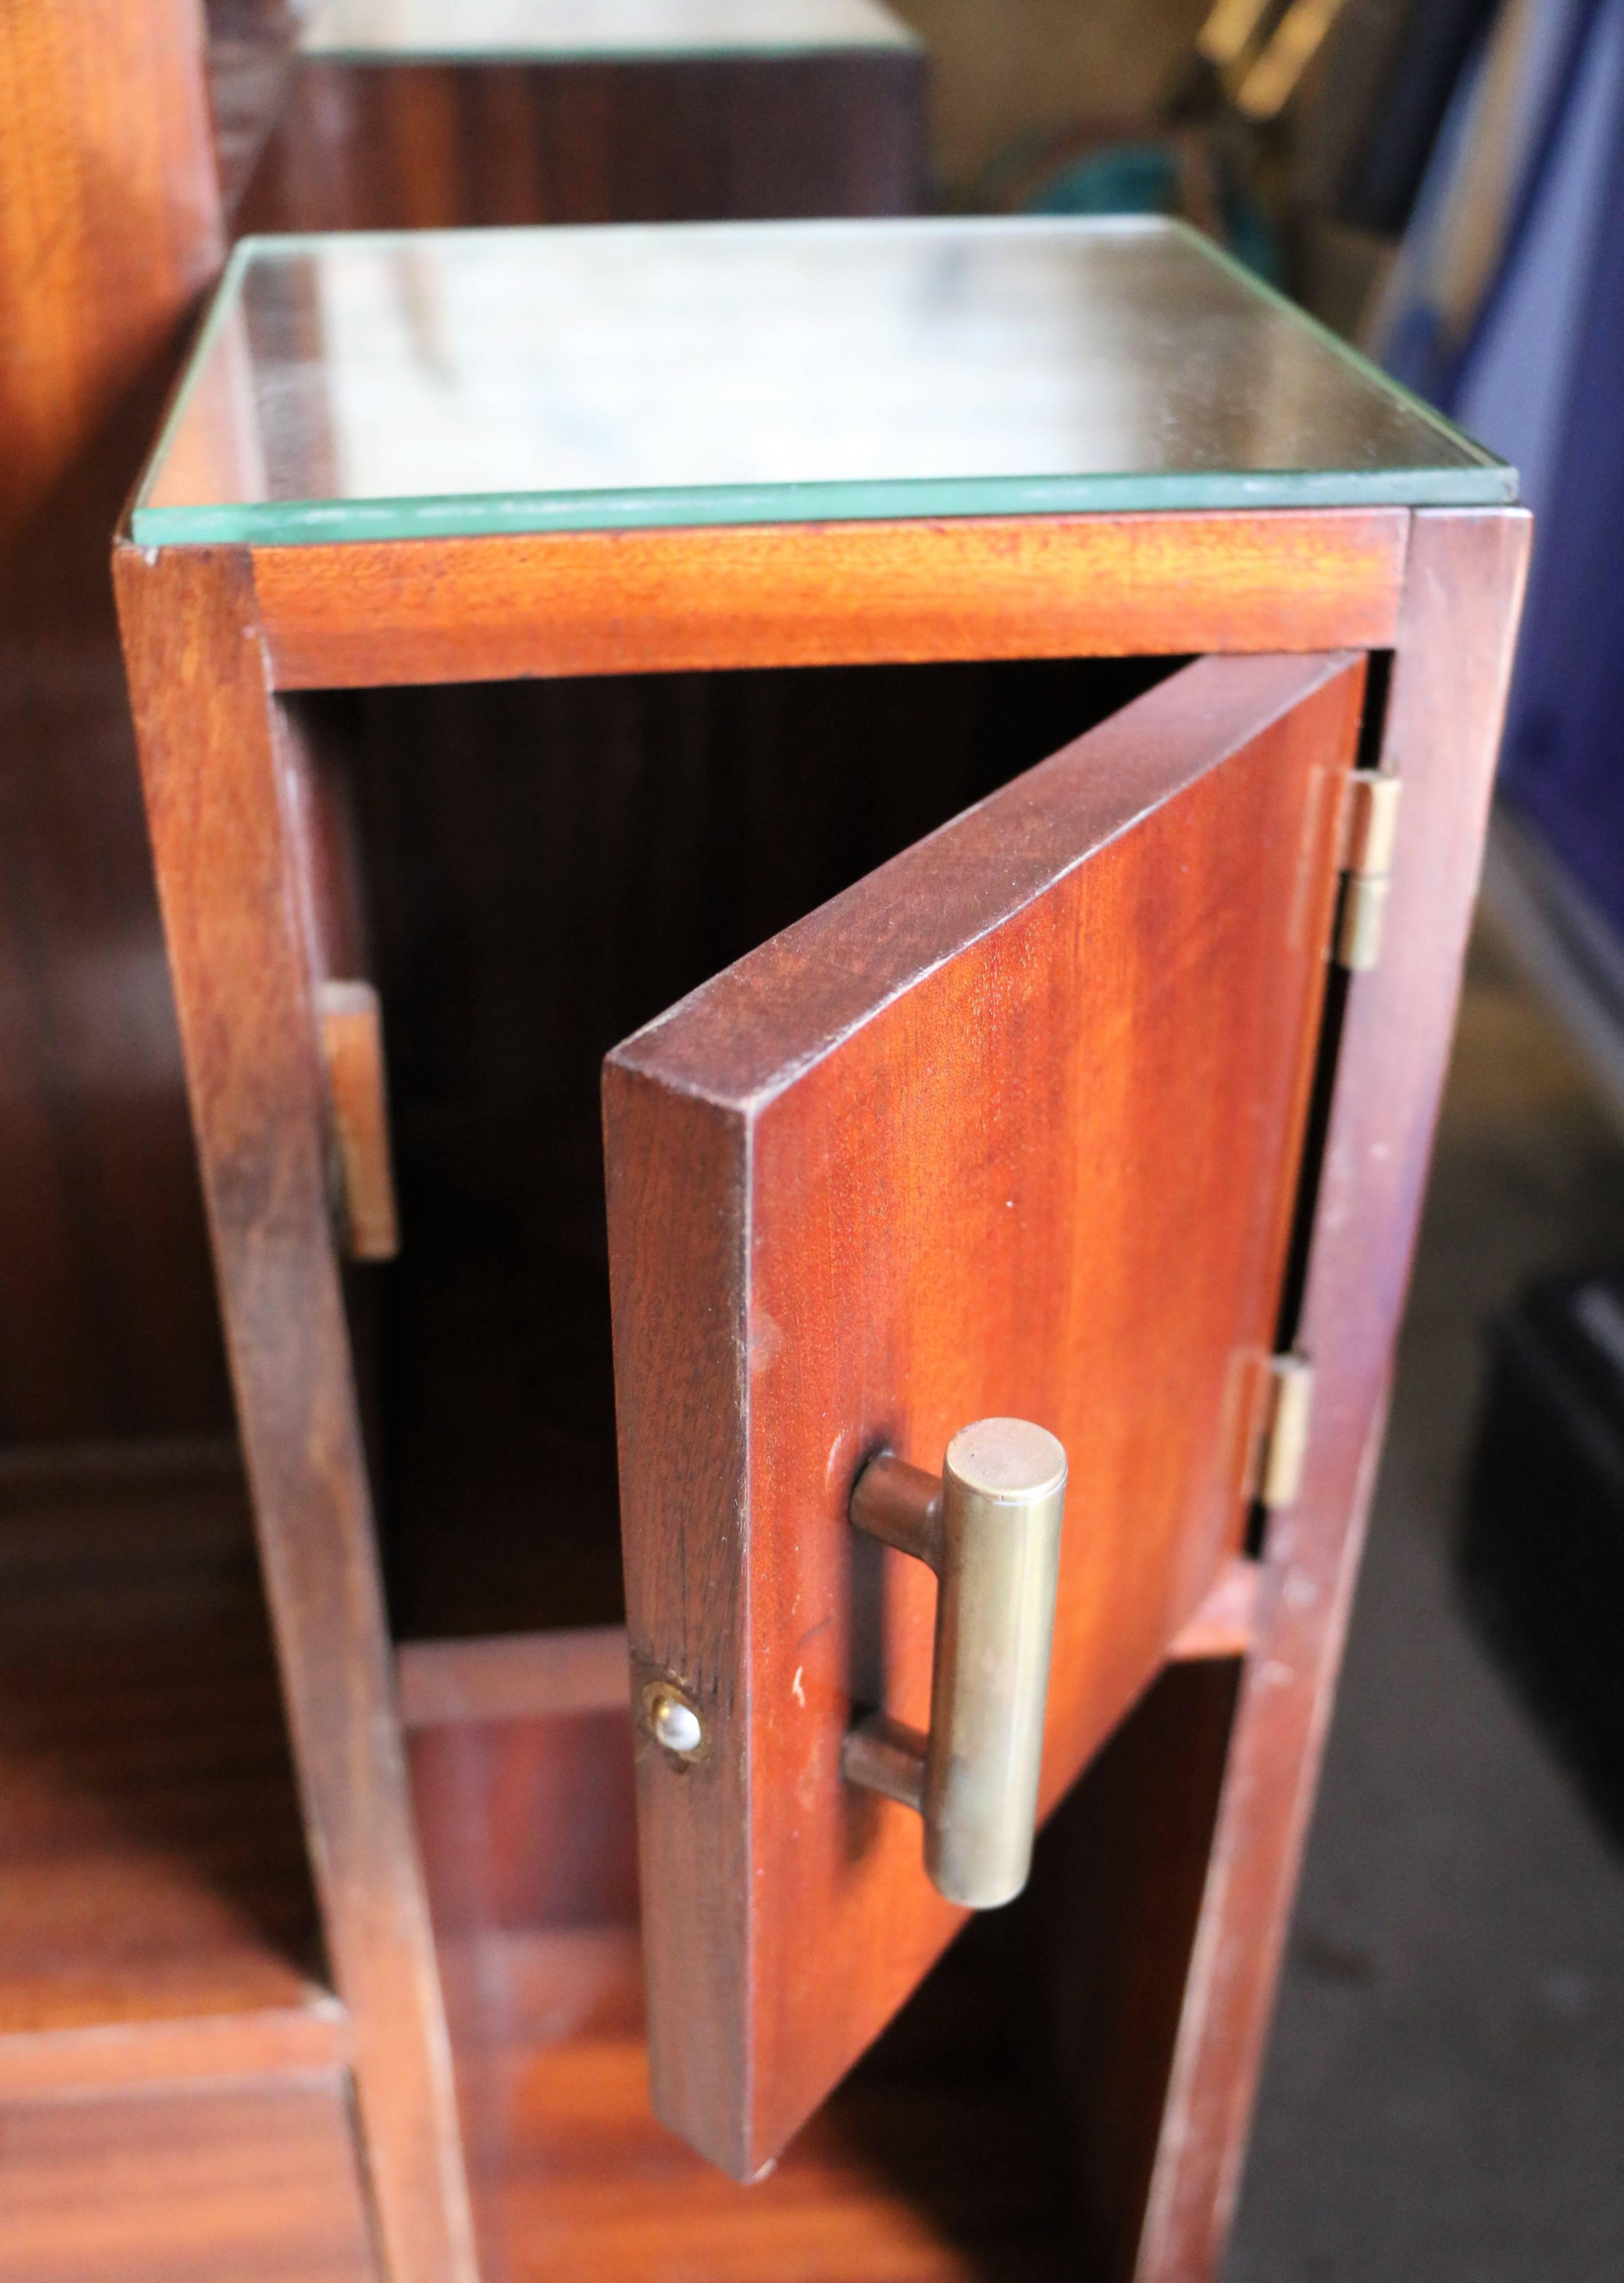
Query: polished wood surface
x=155, y=1909
x=1452, y=661
x=411, y=143
x=237, y=919
x=989, y=587
x=836, y=1177
x=258, y=2182
x=109, y=231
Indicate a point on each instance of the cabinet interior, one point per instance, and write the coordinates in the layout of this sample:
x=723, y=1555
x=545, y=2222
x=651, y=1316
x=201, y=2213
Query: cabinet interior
x=543, y=866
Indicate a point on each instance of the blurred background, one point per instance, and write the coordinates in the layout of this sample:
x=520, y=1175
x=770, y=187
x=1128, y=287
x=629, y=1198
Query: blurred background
x=1442, y=183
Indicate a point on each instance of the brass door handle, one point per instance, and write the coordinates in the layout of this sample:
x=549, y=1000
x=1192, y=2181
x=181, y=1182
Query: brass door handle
x=990, y=1529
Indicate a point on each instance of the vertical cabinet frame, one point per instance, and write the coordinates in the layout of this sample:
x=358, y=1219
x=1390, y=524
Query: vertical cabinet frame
x=214, y=634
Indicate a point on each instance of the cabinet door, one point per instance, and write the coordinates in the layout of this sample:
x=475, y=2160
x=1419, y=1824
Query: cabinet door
x=1012, y=1128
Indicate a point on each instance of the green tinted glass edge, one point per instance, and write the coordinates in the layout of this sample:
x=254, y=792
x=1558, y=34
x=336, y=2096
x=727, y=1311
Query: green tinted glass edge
x=314, y=523
x=903, y=43
x=1485, y=481
x=215, y=318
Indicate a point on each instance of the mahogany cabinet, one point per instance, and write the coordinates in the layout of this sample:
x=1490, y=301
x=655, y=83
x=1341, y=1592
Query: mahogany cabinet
x=774, y=840
x=411, y=114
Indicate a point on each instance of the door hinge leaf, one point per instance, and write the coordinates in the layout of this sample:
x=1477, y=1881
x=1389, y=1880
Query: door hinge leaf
x=1286, y=1435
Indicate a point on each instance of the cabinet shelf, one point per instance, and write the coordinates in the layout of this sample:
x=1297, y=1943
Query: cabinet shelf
x=156, y=1917
x=941, y=2158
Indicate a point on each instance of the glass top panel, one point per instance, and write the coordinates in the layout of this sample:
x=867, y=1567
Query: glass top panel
x=386, y=30
x=475, y=381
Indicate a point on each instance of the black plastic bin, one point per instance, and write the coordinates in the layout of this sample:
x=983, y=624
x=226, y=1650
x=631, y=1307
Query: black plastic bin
x=1542, y=1554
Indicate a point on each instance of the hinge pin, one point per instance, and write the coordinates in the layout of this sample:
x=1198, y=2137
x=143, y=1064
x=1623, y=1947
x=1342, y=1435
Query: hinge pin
x=1373, y=825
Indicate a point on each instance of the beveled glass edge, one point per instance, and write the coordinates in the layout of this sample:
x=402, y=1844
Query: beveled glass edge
x=314, y=523
x=1347, y=354
x=906, y=41
x=1486, y=481
x=216, y=312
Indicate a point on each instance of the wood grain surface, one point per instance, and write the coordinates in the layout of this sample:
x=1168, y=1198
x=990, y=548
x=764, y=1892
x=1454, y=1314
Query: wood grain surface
x=1462, y=594
x=1010, y=1127
x=152, y=1876
x=259, y=2183
x=941, y=2160
x=109, y=232
x=985, y=587
x=376, y=144
x=236, y=915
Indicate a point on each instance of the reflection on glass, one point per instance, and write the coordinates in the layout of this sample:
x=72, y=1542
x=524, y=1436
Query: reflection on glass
x=596, y=28
x=534, y=379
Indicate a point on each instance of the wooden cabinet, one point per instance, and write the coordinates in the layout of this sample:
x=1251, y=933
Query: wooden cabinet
x=412, y=114
x=926, y=702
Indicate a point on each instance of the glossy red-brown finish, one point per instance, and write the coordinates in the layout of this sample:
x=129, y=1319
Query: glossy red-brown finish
x=257, y=2181
x=109, y=231
x=411, y=143
x=174, y=2102
x=1009, y=1128
x=982, y=587
x=153, y=1874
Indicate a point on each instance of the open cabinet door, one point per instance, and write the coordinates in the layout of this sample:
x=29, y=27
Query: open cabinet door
x=1012, y=1128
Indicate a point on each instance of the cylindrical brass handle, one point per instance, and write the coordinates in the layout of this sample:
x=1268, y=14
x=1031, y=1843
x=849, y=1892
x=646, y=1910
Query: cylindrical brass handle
x=990, y=1529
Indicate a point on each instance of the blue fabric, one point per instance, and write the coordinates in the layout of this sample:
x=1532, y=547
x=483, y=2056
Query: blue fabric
x=1515, y=377
x=1563, y=761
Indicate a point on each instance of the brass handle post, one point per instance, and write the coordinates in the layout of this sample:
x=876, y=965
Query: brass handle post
x=990, y=1529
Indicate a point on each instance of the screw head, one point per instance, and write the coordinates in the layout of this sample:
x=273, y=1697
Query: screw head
x=674, y=1723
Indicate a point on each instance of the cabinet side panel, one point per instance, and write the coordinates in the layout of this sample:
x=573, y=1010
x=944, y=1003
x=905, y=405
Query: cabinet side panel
x=236, y=921
x=1462, y=594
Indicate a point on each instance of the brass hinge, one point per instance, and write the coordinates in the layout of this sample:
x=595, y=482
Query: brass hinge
x=1284, y=1446
x=1372, y=824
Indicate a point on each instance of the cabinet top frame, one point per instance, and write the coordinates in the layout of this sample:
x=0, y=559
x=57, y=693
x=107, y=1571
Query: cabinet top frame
x=363, y=387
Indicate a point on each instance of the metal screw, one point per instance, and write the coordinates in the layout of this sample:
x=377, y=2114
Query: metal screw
x=675, y=1725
